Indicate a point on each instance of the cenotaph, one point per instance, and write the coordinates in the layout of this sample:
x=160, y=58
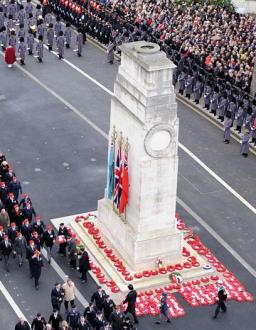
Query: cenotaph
x=144, y=109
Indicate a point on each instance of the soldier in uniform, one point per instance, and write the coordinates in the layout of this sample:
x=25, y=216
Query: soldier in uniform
x=22, y=32
x=22, y=51
x=227, y=130
x=239, y=117
x=40, y=27
x=60, y=45
x=13, y=40
x=67, y=35
x=181, y=81
x=57, y=27
x=214, y=101
x=79, y=42
x=189, y=81
x=222, y=106
x=197, y=89
x=40, y=49
x=3, y=38
x=50, y=37
x=21, y=15
x=2, y=18
x=30, y=42
x=111, y=51
x=245, y=143
x=222, y=297
x=28, y=8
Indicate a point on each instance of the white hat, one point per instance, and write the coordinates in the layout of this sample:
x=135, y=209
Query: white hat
x=220, y=282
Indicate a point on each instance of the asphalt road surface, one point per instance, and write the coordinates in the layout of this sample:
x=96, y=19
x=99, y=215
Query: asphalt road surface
x=53, y=122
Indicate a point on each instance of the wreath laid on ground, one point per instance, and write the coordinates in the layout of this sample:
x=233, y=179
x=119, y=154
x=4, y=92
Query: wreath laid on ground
x=175, y=277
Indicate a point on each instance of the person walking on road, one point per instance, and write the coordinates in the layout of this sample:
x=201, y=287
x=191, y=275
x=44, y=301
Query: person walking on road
x=6, y=248
x=79, y=42
x=55, y=319
x=164, y=308
x=131, y=301
x=20, y=246
x=222, y=297
x=73, y=317
x=36, y=267
x=69, y=293
x=38, y=322
x=57, y=296
x=22, y=325
x=84, y=265
x=245, y=144
x=48, y=240
x=227, y=130
x=60, y=45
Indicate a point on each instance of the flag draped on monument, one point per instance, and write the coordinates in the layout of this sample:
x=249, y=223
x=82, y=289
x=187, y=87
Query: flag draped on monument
x=110, y=171
x=118, y=177
x=125, y=186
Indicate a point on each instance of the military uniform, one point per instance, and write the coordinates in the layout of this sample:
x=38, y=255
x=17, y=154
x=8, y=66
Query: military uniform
x=60, y=46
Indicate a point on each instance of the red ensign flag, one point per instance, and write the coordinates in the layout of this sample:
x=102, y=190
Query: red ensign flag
x=125, y=186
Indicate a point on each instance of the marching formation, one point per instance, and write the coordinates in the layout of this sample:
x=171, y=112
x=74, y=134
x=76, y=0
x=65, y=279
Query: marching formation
x=25, y=32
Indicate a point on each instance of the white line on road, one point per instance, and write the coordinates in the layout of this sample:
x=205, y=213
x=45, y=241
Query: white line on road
x=10, y=300
x=218, y=238
x=63, y=276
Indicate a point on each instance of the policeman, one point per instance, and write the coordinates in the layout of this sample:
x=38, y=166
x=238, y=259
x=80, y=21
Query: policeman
x=222, y=297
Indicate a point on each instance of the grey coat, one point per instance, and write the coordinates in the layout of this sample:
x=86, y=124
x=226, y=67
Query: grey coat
x=214, y=101
x=222, y=106
x=4, y=38
x=79, y=42
x=189, y=85
x=2, y=19
x=181, y=80
x=13, y=41
x=245, y=144
x=21, y=33
x=60, y=45
x=22, y=50
x=40, y=49
x=207, y=94
x=50, y=37
x=41, y=30
x=240, y=117
x=111, y=50
x=20, y=245
x=30, y=42
x=197, y=90
x=227, y=129
x=21, y=16
x=28, y=8
x=67, y=35
x=48, y=19
x=57, y=28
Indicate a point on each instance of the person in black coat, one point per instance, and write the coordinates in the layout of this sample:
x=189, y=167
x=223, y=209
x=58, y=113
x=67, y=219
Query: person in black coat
x=90, y=314
x=26, y=230
x=222, y=297
x=28, y=212
x=98, y=298
x=116, y=319
x=131, y=301
x=108, y=307
x=57, y=295
x=38, y=323
x=22, y=325
x=39, y=226
x=3, y=192
x=16, y=216
x=62, y=246
x=24, y=201
x=48, y=239
x=55, y=319
x=36, y=265
x=9, y=204
x=15, y=187
x=84, y=265
x=83, y=324
x=6, y=249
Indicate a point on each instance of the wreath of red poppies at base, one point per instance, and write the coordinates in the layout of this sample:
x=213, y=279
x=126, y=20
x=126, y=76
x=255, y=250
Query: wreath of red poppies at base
x=197, y=292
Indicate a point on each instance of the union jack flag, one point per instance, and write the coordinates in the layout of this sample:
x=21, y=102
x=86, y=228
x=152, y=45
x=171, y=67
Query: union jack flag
x=118, y=177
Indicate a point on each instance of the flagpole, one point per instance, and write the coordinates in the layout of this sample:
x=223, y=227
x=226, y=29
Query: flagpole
x=113, y=137
x=126, y=149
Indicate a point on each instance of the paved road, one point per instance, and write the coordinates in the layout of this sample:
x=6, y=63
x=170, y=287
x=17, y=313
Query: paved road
x=62, y=163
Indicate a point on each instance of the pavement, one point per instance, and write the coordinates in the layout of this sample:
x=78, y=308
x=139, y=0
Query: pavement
x=53, y=124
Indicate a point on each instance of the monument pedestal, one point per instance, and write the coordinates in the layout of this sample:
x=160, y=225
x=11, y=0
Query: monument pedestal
x=139, y=250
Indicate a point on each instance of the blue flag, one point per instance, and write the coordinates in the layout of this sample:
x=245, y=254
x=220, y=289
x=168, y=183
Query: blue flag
x=110, y=171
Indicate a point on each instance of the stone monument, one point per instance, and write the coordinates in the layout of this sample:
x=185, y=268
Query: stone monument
x=144, y=109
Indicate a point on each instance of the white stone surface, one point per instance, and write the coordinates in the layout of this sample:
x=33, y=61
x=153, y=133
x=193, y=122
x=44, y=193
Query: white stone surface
x=144, y=109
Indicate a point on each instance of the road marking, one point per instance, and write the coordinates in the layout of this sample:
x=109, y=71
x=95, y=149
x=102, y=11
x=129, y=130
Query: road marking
x=62, y=100
x=11, y=301
x=63, y=276
x=218, y=238
x=102, y=133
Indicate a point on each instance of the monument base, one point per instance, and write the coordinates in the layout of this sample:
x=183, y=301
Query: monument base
x=141, y=250
x=120, y=276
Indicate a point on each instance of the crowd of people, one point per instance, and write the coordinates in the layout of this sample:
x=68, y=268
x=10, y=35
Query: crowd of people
x=25, y=31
